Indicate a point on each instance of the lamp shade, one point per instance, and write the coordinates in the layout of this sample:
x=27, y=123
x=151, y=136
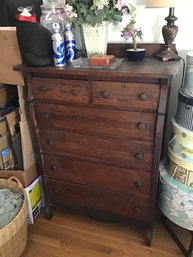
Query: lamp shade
x=160, y=3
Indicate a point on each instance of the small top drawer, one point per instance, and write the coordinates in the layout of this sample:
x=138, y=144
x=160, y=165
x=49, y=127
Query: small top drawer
x=123, y=95
x=76, y=91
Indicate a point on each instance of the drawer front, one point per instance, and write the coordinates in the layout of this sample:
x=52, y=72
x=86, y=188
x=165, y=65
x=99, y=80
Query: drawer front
x=97, y=175
x=64, y=90
x=106, y=122
x=132, y=154
x=112, y=203
x=137, y=96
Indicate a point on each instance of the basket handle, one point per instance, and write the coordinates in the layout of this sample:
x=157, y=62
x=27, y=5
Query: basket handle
x=14, y=179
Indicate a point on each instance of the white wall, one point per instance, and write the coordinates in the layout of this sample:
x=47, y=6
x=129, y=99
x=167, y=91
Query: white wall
x=152, y=19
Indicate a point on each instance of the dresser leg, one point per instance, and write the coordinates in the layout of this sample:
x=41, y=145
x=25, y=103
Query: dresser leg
x=148, y=237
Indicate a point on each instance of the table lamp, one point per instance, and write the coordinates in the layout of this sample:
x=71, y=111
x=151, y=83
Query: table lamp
x=169, y=31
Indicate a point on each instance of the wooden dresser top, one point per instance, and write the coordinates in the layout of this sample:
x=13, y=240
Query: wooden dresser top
x=148, y=68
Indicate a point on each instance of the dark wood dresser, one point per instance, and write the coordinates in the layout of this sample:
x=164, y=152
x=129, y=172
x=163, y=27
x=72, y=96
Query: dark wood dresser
x=99, y=134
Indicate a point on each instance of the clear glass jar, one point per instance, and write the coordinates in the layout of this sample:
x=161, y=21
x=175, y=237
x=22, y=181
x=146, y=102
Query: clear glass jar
x=52, y=14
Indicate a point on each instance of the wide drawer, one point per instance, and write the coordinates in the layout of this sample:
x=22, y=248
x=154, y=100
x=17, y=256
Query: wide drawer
x=138, y=96
x=61, y=90
x=112, y=203
x=96, y=121
x=97, y=175
x=121, y=153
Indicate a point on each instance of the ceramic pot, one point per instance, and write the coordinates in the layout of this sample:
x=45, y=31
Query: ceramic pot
x=135, y=55
x=95, y=38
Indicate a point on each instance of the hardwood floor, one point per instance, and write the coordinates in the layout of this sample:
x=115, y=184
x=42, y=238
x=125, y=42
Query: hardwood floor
x=75, y=235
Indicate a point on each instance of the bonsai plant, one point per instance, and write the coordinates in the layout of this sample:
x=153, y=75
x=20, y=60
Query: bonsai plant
x=130, y=31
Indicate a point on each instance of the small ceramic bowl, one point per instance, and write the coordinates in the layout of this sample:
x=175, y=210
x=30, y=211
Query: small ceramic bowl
x=135, y=55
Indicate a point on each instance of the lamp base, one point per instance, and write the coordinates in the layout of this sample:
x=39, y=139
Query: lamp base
x=167, y=55
x=162, y=57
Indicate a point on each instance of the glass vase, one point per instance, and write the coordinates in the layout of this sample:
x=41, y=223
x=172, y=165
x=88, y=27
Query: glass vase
x=96, y=38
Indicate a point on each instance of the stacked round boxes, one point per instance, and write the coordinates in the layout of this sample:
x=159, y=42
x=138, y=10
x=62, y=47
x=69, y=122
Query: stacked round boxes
x=176, y=174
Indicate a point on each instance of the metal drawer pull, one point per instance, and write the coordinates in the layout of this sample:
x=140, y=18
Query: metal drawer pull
x=43, y=89
x=49, y=141
x=138, y=184
x=104, y=93
x=143, y=97
x=74, y=92
x=139, y=156
x=141, y=126
x=53, y=168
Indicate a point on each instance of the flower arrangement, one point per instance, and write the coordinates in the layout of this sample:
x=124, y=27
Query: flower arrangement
x=130, y=31
x=70, y=15
x=96, y=11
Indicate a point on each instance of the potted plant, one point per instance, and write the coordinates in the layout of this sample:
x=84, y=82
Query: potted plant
x=130, y=31
x=94, y=16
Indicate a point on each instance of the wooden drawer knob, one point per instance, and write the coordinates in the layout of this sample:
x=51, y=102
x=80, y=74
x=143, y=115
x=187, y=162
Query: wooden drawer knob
x=74, y=92
x=139, y=156
x=138, y=184
x=143, y=97
x=43, y=89
x=57, y=191
x=46, y=115
x=104, y=94
x=141, y=126
x=53, y=168
x=137, y=209
x=49, y=141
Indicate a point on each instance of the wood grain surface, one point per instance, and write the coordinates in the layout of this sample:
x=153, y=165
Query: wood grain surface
x=75, y=235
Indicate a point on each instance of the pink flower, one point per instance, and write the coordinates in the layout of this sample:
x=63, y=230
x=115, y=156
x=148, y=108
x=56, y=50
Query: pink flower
x=121, y=3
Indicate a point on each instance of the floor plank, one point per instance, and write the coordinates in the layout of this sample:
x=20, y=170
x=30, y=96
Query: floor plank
x=75, y=235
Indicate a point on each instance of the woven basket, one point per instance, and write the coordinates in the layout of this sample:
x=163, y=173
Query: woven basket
x=13, y=237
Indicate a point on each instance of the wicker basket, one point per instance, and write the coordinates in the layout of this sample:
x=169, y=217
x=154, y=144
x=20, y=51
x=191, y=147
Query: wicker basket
x=13, y=237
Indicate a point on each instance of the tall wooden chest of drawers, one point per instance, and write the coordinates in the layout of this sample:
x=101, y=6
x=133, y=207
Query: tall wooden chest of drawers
x=99, y=135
